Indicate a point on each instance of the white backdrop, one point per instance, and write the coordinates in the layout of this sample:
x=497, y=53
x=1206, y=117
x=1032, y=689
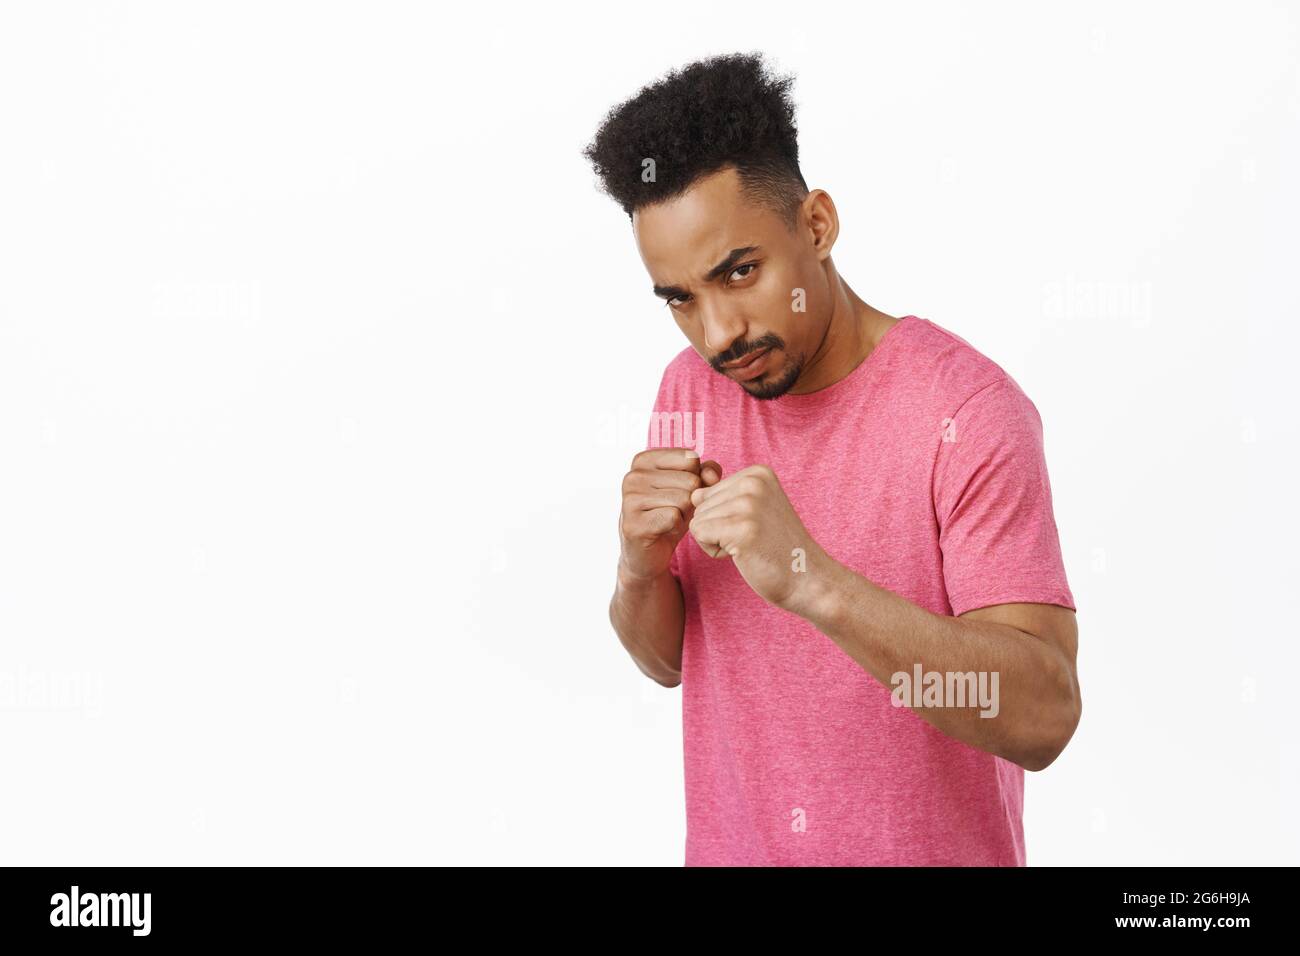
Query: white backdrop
x=322, y=359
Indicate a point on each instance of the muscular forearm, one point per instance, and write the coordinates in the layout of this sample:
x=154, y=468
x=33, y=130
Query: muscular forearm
x=1037, y=706
x=648, y=617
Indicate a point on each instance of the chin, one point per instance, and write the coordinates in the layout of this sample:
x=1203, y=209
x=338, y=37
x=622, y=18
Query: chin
x=773, y=385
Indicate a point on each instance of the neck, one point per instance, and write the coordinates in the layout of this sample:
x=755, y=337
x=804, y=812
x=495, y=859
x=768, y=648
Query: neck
x=854, y=331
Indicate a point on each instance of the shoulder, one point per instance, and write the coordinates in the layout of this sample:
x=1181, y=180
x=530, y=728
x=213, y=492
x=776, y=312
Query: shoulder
x=960, y=378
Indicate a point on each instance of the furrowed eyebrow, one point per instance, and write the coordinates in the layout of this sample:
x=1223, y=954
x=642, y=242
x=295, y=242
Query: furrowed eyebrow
x=727, y=264
x=668, y=291
x=722, y=268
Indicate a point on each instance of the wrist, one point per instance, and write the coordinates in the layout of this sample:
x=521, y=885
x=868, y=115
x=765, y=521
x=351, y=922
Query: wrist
x=820, y=592
x=630, y=580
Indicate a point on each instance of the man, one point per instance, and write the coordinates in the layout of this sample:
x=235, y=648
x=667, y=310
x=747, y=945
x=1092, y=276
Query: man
x=869, y=526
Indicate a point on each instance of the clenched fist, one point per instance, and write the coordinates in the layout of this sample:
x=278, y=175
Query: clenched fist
x=749, y=519
x=657, y=507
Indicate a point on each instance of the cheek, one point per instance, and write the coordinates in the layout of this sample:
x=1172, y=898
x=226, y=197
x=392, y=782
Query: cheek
x=792, y=301
x=815, y=305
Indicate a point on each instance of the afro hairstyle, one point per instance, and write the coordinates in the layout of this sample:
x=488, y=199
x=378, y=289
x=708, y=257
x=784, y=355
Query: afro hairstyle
x=727, y=111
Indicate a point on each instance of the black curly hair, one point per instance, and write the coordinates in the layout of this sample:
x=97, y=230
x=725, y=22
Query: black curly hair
x=723, y=111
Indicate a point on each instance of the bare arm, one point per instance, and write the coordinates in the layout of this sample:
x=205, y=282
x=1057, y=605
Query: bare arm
x=646, y=609
x=1030, y=647
x=648, y=617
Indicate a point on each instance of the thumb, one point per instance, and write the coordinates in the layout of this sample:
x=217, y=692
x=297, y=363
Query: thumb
x=710, y=473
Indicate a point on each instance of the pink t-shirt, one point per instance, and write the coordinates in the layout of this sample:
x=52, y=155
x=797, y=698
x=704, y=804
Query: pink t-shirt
x=922, y=470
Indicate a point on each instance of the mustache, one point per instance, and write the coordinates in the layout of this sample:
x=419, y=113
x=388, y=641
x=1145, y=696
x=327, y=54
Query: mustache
x=739, y=350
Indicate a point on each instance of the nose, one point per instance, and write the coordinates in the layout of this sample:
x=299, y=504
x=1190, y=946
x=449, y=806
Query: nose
x=720, y=328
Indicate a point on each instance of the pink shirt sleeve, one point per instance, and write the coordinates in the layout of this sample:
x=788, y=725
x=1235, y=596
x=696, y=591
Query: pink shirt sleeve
x=993, y=502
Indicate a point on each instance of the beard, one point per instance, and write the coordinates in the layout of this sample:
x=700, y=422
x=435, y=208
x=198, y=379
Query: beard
x=774, y=384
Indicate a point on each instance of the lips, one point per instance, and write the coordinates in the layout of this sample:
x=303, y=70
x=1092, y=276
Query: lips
x=747, y=360
x=752, y=366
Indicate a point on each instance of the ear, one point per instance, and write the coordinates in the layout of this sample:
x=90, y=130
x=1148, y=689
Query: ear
x=821, y=220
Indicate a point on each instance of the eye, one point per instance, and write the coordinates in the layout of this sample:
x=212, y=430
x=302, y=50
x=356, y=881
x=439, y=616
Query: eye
x=747, y=265
x=669, y=302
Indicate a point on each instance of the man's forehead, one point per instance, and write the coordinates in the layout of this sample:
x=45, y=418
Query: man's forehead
x=689, y=261
x=682, y=239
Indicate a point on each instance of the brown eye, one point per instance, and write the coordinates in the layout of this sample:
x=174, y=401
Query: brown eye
x=747, y=265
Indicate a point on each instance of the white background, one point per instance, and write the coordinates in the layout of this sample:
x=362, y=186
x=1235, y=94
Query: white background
x=322, y=358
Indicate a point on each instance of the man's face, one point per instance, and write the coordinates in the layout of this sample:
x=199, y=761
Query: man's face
x=750, y=295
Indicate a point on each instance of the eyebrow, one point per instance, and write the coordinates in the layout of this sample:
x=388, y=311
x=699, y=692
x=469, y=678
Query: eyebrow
x=722, y=268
